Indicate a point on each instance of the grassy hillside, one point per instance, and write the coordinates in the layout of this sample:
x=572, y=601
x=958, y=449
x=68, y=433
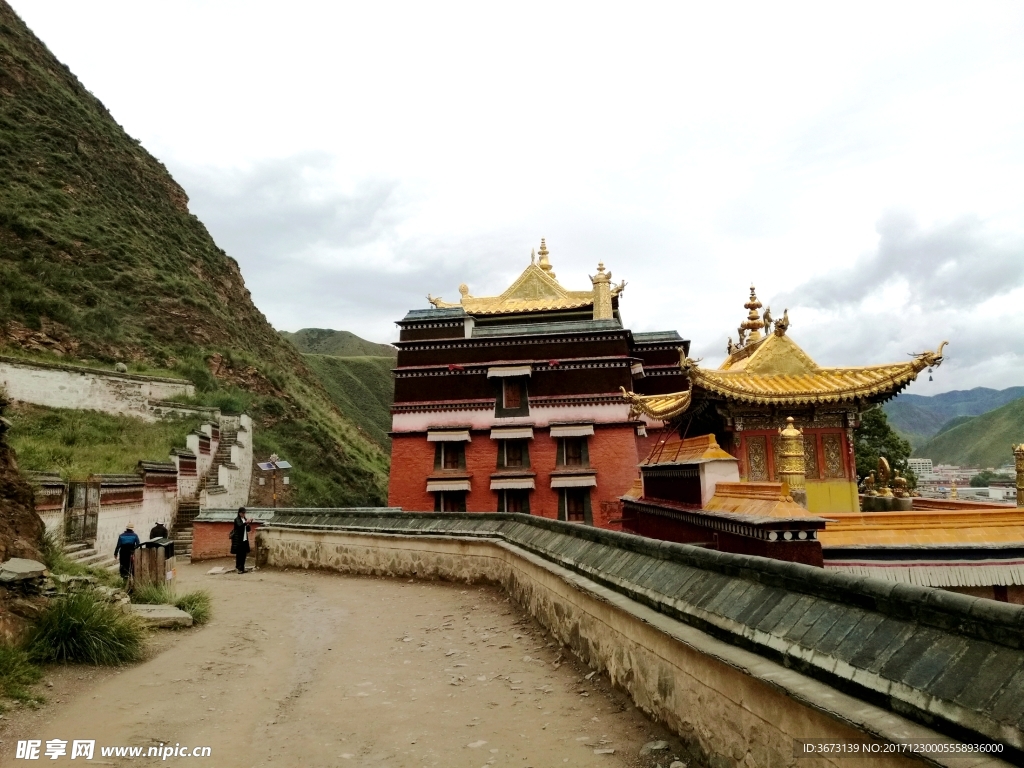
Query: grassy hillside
x=920, y=417
x=983, y=441
x=323, y=341
x=102, y=261
x=79, y=443
x=362, y=388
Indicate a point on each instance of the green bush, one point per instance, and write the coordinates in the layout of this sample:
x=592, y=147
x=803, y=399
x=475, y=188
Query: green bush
x=196, y=604
x=80, y=627
x=153, y=594
x=16, y=672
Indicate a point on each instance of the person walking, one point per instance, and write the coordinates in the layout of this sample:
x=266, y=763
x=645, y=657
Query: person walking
x=158, y=531
x=127, y=543
x=240, y=539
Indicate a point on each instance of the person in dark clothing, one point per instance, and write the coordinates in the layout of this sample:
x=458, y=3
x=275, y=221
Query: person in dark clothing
x=127, y=543
x=158, y=531
x=240, y=539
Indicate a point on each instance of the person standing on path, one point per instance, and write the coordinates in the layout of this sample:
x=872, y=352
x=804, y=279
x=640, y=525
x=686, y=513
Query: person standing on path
x=158, y=531
x=127, y=543
x=240, y=539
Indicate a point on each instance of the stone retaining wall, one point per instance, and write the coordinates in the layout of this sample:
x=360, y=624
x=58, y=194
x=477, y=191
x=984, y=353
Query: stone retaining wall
x=67, y=386
x=740, y=655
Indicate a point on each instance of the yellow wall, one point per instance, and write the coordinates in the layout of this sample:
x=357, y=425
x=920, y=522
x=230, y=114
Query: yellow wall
x=832, y=496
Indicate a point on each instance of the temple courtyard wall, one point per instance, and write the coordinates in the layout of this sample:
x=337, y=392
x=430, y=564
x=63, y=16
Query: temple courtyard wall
x=67, y=386
x=740, y=656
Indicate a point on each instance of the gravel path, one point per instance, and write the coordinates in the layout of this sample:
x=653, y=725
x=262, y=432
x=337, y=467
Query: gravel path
x=318, y=669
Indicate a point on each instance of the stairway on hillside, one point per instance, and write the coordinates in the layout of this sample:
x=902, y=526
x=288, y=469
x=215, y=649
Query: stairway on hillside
x=221, y=458
x=187, y=512
x=84, y=553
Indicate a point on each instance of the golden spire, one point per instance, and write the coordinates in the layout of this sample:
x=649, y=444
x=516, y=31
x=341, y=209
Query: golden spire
x=543, y=262
x=753, y=323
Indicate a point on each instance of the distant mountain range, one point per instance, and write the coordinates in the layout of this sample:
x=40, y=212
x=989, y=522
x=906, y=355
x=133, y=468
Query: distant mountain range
x=978, y=441
x=324, y=341
x=920, y=418
x=356, y=374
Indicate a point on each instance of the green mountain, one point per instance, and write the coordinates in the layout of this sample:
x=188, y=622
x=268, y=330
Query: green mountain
x=920, y=417
x=362, y=388
x=982, y=441
x=102, y=261
x=323, y=341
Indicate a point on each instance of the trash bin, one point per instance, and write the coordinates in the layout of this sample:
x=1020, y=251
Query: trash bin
x=154, y=563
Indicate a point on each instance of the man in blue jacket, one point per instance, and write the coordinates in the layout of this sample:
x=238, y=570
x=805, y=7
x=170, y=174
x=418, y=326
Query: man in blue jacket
x=127, y=543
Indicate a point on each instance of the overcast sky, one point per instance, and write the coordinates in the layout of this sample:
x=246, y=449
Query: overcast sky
x=862, y=163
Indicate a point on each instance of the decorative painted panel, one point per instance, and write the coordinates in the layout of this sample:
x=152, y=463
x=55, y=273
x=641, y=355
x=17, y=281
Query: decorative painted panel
x=776, y=455
x=832, y=447
x=757, y=458
x=811, y=457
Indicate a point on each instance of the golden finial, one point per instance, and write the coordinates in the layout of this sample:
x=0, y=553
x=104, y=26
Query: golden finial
x=464, y=290
x=543, y=262
x=753, y=323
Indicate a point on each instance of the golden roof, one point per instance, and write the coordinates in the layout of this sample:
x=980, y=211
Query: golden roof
x=760, y=499
x=535, y=290
x=924, y=528
x=774, y=370
x=701, y=448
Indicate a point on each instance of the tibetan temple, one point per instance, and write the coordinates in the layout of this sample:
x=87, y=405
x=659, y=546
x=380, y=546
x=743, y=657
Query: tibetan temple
x=512, y=403
x=540, y=401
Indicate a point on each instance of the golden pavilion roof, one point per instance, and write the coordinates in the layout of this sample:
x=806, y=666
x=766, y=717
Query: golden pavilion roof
x=939, y=527
x=773, y=370
x=535, y=290
x=753, y=498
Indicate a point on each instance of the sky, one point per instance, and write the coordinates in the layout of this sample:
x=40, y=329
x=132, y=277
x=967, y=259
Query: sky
x=861, y=164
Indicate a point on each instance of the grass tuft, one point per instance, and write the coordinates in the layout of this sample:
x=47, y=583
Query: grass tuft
x=80, y=627
x=17, y=672
x=196, y=604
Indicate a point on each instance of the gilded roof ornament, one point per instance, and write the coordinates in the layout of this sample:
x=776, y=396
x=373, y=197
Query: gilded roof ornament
x=753, y=323
x=543, y=263
x=773, y=370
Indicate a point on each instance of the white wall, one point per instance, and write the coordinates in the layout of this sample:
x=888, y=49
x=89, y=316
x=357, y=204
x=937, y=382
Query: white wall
x=59, y=386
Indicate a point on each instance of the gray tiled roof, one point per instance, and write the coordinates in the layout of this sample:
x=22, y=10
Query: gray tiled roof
x=540, y=329
x=424, y=315
x=657, y=337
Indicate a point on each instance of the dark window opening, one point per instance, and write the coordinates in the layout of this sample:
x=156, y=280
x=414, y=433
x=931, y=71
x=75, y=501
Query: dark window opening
x=514, y=501
x=513, y=453
x=450, y=501
x=512, y=393
x=575, y=504
x=573, y=452
x=450, y=456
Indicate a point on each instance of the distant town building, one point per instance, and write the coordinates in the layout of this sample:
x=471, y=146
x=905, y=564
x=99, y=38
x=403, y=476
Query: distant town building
x=920, y=467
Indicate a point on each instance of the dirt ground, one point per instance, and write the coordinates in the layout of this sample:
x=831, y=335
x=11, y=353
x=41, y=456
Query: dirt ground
x=317, y=669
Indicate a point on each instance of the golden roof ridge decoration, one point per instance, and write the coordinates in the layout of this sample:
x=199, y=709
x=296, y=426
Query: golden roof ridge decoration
x=774, y=370
x=535, y=290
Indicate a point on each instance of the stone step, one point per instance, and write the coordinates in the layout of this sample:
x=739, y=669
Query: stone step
x=215, y=489
x=94, y=559
x=80, y=554
x=78, y=545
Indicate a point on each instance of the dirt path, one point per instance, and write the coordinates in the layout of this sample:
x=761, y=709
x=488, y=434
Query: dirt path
x=315, y=669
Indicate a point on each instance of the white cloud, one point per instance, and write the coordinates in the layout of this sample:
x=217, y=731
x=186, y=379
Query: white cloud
x=355, y=156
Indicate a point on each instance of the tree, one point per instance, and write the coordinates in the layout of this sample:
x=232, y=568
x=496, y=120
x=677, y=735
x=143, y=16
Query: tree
x=874, y=438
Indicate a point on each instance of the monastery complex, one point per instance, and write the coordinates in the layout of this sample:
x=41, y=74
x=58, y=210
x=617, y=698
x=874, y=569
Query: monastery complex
x=540, y=401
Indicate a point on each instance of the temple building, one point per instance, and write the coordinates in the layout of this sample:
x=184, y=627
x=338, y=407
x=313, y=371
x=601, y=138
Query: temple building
x=765, y=379
x=512, y=403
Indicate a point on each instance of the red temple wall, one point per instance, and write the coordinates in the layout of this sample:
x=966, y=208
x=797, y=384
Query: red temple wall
x=612, y=451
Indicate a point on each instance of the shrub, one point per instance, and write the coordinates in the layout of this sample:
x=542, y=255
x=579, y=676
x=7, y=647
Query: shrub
x=80, y=627
x=196, y=604
x=153, y=594
x=16, y=672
